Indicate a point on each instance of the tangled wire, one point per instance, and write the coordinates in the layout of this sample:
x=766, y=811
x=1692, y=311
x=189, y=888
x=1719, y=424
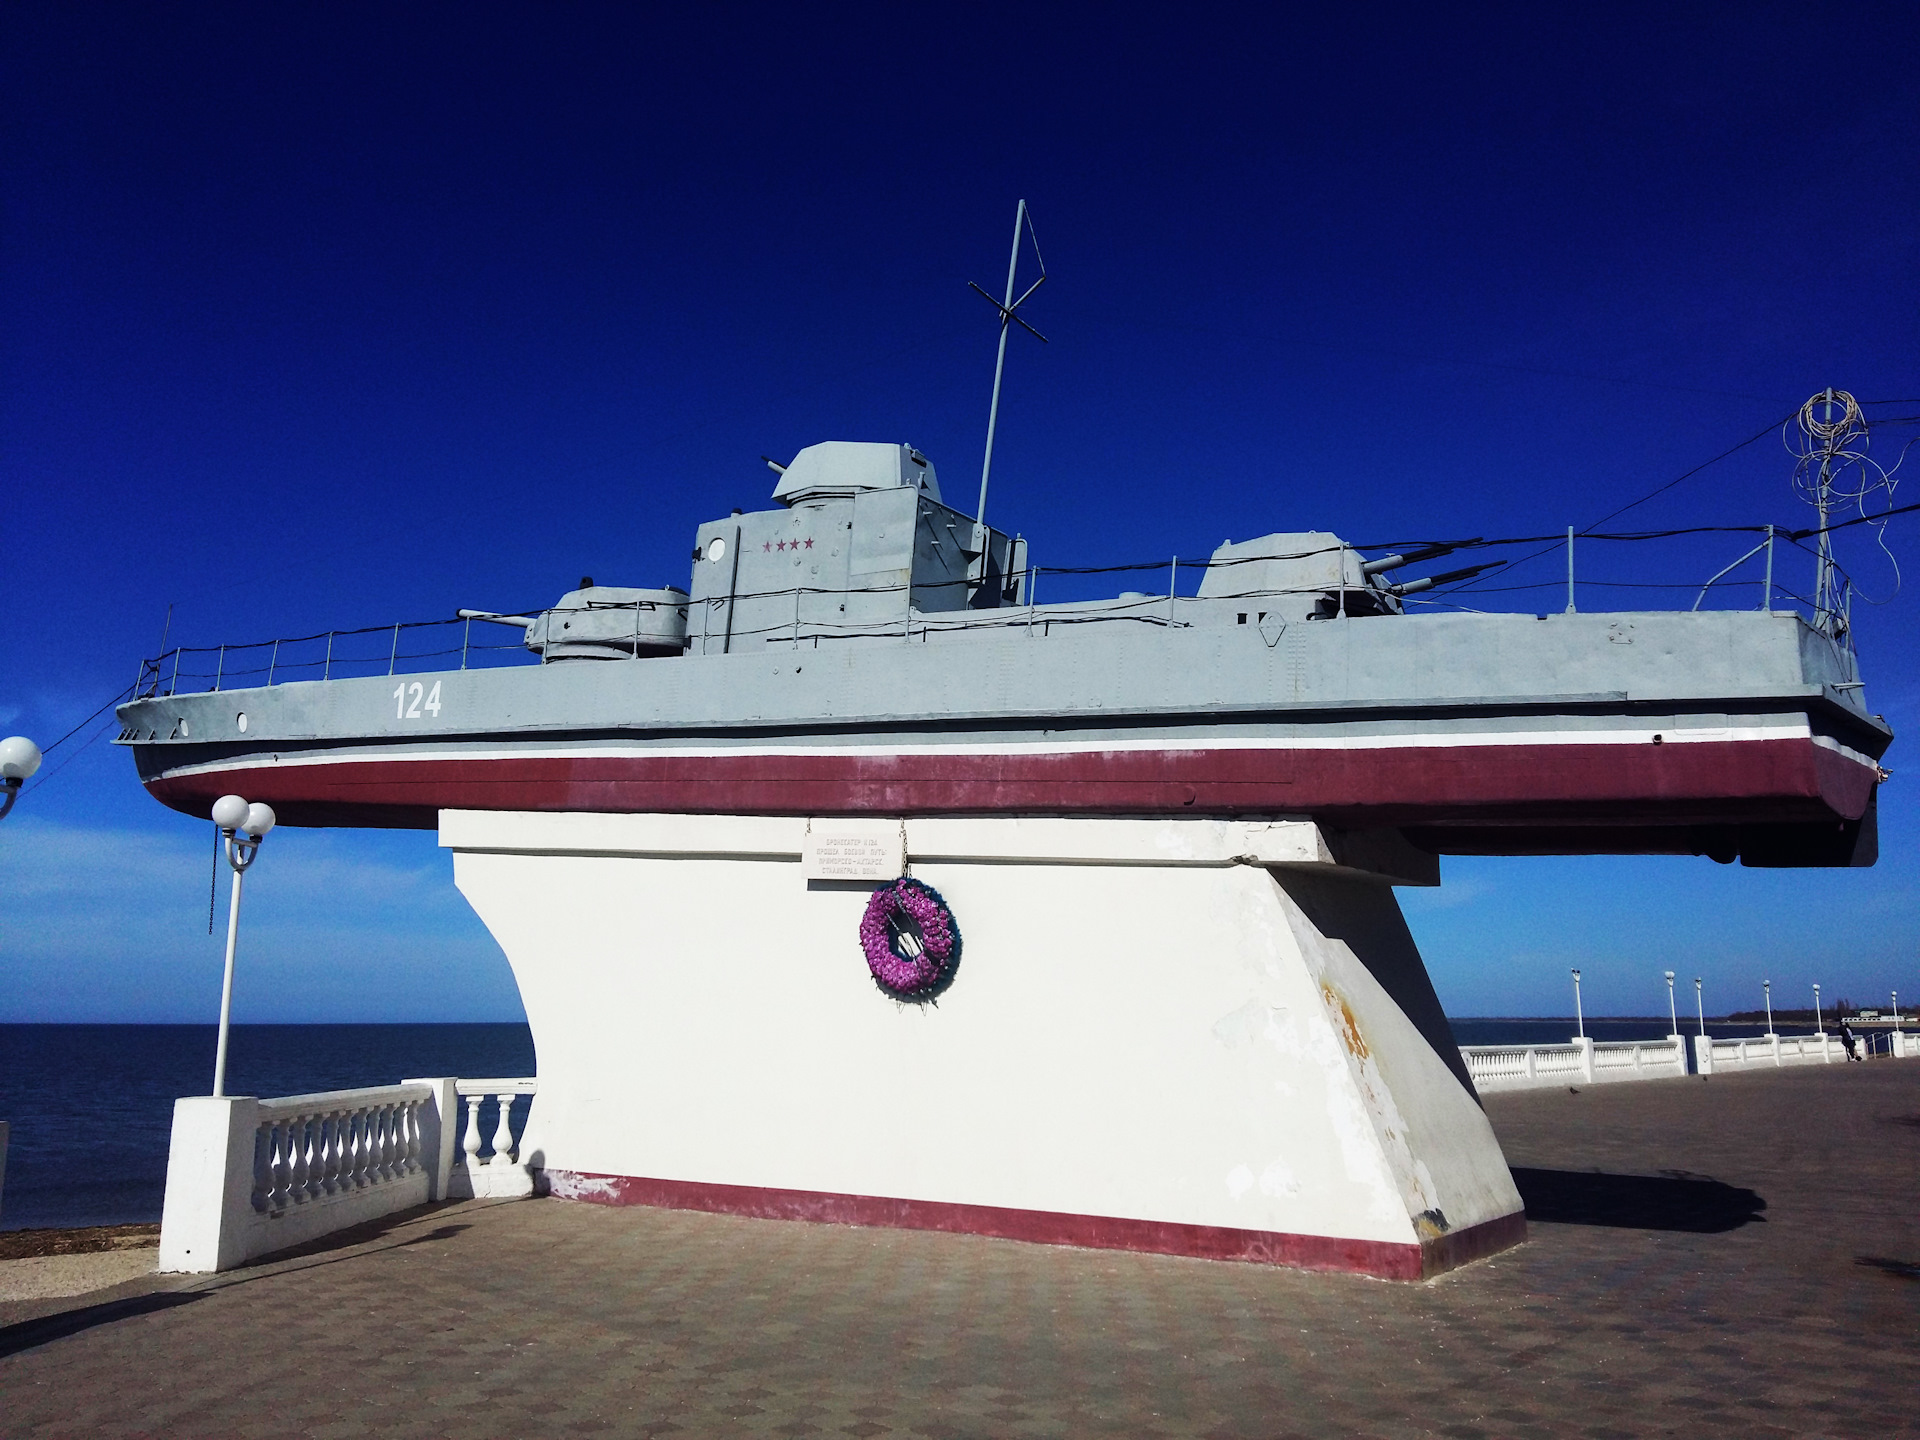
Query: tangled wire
x=1832, y=467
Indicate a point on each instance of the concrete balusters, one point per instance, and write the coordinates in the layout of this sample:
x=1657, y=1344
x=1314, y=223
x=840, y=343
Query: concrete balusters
x=249, y=1177
x=503, y=1174
x=1521, y=1067
x=1754, y=1052
x=1579, y=1061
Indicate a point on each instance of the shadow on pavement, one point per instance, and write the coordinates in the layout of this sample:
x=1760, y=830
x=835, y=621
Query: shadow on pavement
x=28, y=1333
x=358, y=1235
x=1636, y=1202
x=1904, y=1269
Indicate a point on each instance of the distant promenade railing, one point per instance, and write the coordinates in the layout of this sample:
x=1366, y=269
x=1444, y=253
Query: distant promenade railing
x=1579, y=1061
x=1587, y=1062
x=1754, y=1052
x=249, y=1177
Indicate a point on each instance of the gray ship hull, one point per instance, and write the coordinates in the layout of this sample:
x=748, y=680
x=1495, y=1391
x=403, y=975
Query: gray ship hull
x=1727, y=733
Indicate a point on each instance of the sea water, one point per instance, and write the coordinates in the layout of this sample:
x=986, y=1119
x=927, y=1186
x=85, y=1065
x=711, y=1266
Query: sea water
x=91, y=1106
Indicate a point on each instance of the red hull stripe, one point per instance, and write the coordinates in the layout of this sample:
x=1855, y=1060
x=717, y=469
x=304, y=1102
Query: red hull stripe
x=1791, y=779
x=1383, y=1258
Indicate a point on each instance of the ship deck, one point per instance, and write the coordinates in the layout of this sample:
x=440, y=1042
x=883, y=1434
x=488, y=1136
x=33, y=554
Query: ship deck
x=1735, y=1254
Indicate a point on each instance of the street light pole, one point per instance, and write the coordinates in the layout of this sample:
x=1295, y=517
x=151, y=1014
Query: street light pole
x=1699, y=1005
x=1579, y=1019
x=1766, y=987
x=1819, y=1025
x=243, y=827
x=1673, y=1020
x=19, y=758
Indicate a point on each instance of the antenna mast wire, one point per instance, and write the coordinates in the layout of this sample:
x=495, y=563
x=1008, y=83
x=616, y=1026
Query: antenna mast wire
x=1008, y=309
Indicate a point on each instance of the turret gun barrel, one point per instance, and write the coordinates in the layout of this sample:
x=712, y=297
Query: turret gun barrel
x=1411, y=557
x=523, y=621
x=1427, y=582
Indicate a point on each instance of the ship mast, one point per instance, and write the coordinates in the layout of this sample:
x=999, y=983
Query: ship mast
x=1009, y=315
x=1833, y=439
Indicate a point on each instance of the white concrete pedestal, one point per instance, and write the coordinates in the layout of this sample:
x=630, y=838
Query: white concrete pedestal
x=1200, y=1037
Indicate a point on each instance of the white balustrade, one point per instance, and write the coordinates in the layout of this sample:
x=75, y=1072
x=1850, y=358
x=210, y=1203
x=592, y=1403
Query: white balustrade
x=502, y=1175
x=1520, y=1067
x=1581, y=1061
x=312, y=1148
x=1764, y=1052
x=1640, y=1059
x=249, y=1177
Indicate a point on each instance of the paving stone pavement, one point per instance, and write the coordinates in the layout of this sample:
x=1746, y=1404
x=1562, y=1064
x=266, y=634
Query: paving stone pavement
x=1739, y=1254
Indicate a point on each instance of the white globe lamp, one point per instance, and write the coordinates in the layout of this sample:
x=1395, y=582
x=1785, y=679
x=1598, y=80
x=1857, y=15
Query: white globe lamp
x=19, y=758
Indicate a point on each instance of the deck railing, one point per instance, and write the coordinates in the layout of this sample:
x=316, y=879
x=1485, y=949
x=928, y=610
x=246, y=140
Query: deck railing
x=408, y=648
x=1751, y=581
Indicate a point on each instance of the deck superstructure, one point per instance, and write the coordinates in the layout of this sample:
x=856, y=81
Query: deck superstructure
x=851, y=652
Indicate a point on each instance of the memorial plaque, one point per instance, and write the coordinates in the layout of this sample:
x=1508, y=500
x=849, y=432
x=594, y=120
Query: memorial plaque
x=854, y=852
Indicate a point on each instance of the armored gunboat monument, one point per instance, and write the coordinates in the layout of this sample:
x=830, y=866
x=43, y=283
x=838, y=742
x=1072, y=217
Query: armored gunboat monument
x=852, y=882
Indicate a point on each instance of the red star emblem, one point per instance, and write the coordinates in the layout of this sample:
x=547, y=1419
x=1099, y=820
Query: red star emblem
x=809, y=544
x=768, y=547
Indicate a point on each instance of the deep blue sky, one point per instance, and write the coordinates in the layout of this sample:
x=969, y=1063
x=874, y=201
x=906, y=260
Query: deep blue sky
x=333, y=316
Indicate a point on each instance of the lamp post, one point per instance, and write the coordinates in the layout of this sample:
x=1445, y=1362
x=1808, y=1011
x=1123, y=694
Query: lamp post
x=1673, y=1020
x=1579, y=1020
x=1699, y=1005
x=1896, y=1009
x=243, y=827
x=1819, y=1025
x=19, y=758
x=1766, y=988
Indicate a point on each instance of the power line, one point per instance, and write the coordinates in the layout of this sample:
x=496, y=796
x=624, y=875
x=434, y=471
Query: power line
x=119, y=695
x=1658, y=490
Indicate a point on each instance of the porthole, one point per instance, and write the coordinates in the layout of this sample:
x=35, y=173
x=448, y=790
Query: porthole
x=716, y=550
x=240, y=720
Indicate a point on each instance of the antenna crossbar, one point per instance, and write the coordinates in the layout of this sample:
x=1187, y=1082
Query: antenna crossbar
x=1009, y=316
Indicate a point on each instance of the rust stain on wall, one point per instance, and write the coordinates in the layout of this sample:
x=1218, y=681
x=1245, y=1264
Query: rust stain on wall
x=1350, y=1035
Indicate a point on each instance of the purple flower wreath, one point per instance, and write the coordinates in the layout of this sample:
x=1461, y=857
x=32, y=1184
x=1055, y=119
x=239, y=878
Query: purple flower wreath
x=911, y=941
